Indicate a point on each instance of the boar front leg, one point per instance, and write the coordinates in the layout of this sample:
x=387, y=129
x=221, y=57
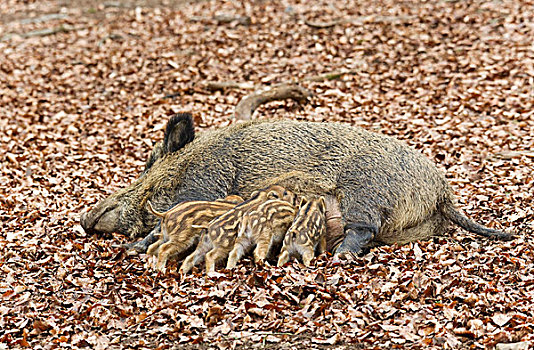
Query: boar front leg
x=141, y=246
x=357, y=236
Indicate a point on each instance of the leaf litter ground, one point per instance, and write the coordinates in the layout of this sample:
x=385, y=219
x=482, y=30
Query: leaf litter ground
x=86, y=89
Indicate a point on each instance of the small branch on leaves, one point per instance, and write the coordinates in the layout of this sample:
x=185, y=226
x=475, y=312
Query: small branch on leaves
x=44, y=18
x=226, y=85
x=361, y=20
x=323, y=25
x=514, y=154
x=329, y=76
x=246, y=107
x=223, y=19
x=50, y=31
x=43, y=32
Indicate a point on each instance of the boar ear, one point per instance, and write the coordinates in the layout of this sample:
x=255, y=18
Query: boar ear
x=180, y=131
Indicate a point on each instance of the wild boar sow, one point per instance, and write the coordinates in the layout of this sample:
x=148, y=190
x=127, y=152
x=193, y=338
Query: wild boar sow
x=385, y=191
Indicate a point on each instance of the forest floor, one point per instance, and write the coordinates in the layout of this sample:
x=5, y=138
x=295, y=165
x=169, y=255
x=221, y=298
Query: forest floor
x=86, y=88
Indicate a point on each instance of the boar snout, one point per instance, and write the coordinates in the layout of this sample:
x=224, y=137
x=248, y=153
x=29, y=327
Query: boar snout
x=102, y=219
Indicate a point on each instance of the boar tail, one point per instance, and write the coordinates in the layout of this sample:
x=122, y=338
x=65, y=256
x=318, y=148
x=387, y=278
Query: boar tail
x=450, y=212
x=154, y=211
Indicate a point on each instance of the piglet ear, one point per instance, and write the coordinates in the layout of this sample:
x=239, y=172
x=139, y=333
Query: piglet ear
x=180, y=131
x=273, y=194
x=303, y=201
x=322, y=203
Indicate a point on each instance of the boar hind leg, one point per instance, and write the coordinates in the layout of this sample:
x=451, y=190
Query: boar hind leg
x=191, y=261
x=172, y=250
x=235, y=255
x=284, y=257
x=321, y=246
x=307, y=255
x=213, y=256
x=198, y=255
x=154, y=248
x=241, y=247
x=165, y=252
x=357, y=236
x=263, y=248
x=434, y=225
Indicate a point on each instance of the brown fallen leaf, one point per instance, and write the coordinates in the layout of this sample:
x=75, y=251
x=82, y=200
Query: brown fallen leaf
x=501, y=319
x=330, y=340
x=215, y=314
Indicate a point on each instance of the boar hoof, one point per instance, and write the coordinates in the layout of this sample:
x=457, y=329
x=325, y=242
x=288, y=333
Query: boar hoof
x=141, y=246
x=133, y=248
x=357, y=236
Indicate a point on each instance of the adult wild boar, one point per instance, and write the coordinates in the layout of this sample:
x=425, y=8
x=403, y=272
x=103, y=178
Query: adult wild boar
x=386, y=192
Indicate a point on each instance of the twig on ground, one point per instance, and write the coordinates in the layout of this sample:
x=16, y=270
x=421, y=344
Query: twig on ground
x=223, y=19
x=49, y=31
x=44, y=18
x=246, y=107
x=361, y=20
x=323, y=25
x=514, y=154
x=224, y=85
x=42, y=32
x=110, y=36
x=329, y=76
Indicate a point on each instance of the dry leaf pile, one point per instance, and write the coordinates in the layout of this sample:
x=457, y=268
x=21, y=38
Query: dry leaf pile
x=86, y=89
